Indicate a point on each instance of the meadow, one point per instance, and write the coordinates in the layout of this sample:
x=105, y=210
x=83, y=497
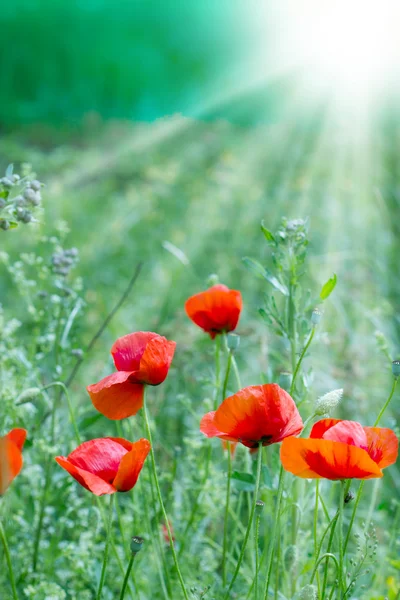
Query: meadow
x=135, y=219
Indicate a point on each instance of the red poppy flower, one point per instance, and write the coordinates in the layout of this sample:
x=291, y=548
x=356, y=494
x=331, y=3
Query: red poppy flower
x=106, y=465
x=340, y=450
x=259, y=413
x=216, y=310
x=11, y=460
x=140, y=358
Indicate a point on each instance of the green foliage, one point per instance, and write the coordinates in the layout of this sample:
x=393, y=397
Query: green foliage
x=184, y=194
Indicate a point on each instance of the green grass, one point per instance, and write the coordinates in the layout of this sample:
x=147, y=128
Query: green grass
x=124, y=190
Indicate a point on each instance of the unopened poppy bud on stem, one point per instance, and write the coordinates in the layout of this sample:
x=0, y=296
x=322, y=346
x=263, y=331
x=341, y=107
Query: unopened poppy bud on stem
x=212, y=279
x=328, y=402
x=396, y=368
x=316, y=316
x=259, y=507
x=136, y=544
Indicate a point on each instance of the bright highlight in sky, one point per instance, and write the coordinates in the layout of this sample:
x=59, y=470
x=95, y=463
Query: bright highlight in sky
x=351, y=47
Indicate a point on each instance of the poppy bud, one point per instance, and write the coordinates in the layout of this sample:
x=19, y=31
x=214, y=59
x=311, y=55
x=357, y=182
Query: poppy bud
x=285, y=380
x=396, y=368
x=136, y=544
x=5, y=224
x=213, y=279
x=233, y=341
x=349, y=497
x=308, y=592
x=290, y=558
x=259, y=507
x=316, y=316
x=29, y=394
x=326, y=403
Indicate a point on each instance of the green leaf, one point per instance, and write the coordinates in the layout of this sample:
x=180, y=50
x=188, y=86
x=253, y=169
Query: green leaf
x=268, y=235
x=328, y=288
x=244, y=482
x=256, y=268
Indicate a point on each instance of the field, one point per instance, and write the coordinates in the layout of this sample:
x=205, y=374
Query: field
x=184, y=200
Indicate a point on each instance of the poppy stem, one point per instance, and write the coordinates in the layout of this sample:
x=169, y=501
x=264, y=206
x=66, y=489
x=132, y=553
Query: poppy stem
x=106, y=549
x=341, y=575
x=217, y=370
x=298, y=365
x=257, y=557
x=274, y=530
x=126, y=578
x=3, y=538
x=226, y=516
x=249, y=525
x=360, y=489
x=164, y=512
x=334, y=522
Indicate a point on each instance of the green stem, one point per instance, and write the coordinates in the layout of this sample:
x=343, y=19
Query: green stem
x=341, y=586
x=217, y=369
x=126, y=578
x=316, y=517
x=302, y=355
x=160, y=500
x=327, y=556
x=8, y=560
x=274, y=530
x=331, y=536
x=249, y=525
x=226, y=516
x=392, y=391
x=360, y=489
x=105, y=559
x=257, y=557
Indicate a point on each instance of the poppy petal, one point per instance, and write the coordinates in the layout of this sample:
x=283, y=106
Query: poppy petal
x=263, y=413
x=101, y=456
x=347, y=432
x=156, y=360
x=11, y=462
x=215, y=310
x=316, y=458
x=131, y=465
x=89, y=481
x=128, y=350
x=320, y=427
x=383, y=445
x=207, y=427
x=18, y=436
x=116, y=397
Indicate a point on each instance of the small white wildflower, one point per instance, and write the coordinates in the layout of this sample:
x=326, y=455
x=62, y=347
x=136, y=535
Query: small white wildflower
x=327, y=403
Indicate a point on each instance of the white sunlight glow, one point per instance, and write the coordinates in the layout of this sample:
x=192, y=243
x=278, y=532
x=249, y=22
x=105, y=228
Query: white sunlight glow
x=348, y=47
